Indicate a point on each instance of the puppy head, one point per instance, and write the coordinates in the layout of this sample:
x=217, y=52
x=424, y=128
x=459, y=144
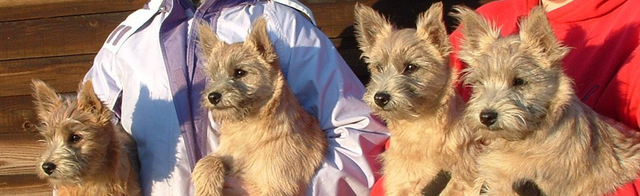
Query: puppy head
x=242, y=76
x=516, y=80
x=77, y=132
x=409, y=67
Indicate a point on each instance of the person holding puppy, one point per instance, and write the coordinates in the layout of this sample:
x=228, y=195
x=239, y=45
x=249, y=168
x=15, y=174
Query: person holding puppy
x=149, y=74
x=603, y=61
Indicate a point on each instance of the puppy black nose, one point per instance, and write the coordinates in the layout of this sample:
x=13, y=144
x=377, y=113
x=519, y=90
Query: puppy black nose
x=214, y=97
x=488, y=117
x=48, y=168
x=381, y=99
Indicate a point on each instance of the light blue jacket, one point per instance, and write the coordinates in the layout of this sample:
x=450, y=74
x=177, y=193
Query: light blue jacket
x=149, y=73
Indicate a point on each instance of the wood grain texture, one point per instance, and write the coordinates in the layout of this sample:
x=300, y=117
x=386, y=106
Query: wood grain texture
x=24, y=185
x=11, y=10
x=60, y=36
x=17, y=115
x=62, y=73
x=19, y=153
x=335, y=18
x=85, y=34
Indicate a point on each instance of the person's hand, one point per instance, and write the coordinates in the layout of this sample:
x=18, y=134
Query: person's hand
x=234, y=186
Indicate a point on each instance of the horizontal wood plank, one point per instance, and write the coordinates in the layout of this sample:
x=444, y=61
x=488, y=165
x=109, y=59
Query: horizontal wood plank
x=60, y=36
x=85, y=34
x=17, y=115
x=24, y=185
x=62, y=73
x=11, y=10
x=19, y=153
x=336, y=18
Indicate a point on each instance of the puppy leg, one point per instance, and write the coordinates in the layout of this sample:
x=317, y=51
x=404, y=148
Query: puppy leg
x=208, y=176
x=442, y=185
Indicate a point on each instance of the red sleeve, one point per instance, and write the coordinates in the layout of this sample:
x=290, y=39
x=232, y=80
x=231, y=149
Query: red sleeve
x=629, y=77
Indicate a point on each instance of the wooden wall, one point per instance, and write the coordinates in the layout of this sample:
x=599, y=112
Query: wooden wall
x=56, y=41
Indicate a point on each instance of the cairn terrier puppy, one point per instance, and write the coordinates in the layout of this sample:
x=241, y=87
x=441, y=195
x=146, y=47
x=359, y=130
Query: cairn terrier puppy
x=412, y=90
x=86, y=153
x=266, y=138
x=536, y=128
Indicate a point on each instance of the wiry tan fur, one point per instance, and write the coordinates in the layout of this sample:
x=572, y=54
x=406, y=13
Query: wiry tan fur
x=543, y=132
x=266, y=138
x=102, y=160
x=423, y=108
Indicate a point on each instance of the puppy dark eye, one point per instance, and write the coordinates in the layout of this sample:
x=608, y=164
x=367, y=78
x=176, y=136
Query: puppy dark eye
x=239, y=73
x=75, y=138
x=518, y=82
x=410, y=68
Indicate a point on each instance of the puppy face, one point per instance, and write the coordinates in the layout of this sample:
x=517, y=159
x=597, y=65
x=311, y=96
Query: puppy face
x=409, y=70
x=241, y=74
x=77, y=133
x=515, y=80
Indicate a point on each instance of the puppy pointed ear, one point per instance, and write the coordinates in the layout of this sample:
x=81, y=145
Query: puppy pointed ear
x=537, y=35
x=259, y=39
x=208, y=40
x=370, y=26
x=89, y=101
x=477, y=33
x=45, y=97
x=431, y=28
x=87, y=98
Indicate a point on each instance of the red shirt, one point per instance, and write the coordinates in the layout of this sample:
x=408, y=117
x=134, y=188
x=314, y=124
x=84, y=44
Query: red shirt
x=604, y=61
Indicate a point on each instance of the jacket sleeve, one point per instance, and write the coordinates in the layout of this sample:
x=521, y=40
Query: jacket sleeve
x=106, y=79
x=329, y=90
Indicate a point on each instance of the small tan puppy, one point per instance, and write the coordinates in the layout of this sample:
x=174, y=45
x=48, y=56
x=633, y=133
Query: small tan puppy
x=86, y=154
x=266, y=138
x=412, y=90
x=537, y=129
